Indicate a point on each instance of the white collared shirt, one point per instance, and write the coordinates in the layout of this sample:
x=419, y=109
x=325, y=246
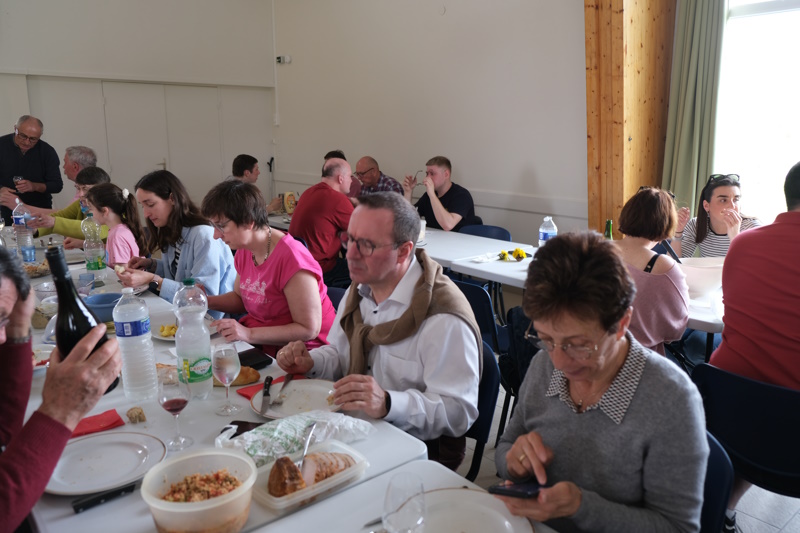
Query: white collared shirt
x=432, y=376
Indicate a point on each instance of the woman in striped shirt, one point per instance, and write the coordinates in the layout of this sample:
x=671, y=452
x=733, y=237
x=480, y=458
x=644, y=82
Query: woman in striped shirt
x=718, y=219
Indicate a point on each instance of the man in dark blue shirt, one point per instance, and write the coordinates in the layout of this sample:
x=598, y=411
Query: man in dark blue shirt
x=25, y=155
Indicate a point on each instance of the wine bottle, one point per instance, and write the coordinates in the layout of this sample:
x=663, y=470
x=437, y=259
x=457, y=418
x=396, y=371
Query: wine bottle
x=608, y=234
x=74, y=318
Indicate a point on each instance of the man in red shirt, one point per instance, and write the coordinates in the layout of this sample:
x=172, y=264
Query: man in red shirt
x=323, y=211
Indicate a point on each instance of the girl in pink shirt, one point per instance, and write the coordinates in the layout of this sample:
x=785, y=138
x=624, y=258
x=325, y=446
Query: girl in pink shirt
x=116, y=208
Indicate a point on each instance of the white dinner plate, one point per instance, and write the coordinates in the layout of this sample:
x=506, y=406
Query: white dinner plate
x=105, y=461
x=41, y=352
x=166, y=318
x=74, y=257
x=300, y=396
x=470, y=511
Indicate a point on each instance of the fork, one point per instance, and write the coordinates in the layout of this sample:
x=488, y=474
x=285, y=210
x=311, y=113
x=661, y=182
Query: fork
x=278, y=400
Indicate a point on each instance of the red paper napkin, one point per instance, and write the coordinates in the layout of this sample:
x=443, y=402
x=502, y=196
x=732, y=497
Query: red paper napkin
x=251, y=390
x=93, y=424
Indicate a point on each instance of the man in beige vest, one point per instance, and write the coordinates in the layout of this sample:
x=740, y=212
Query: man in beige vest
x=404, y=337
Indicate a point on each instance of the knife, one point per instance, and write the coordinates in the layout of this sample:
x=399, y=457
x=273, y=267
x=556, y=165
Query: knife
x=93, y=500
x=265, y=399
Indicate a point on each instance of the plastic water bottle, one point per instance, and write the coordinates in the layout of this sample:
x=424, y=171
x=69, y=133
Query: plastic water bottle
x=132, y=324
x=25, y=247
x=93, y=248
x=193, y=340
x=547, y=231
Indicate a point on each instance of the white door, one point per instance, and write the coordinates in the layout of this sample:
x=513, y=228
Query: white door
x=136, y=127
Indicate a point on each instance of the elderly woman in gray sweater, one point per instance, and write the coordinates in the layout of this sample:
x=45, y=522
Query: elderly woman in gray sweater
x=614, y=431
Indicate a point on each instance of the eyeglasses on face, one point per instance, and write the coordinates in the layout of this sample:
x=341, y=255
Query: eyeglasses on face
x=718, y=177
x=4, y=322
x=364, y=247
x=32, y=140
x=220, y=226
x=580, y=352
x=360, y=175
x=645, y=187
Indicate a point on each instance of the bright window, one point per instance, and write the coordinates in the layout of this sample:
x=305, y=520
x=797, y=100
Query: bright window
x=758, y=111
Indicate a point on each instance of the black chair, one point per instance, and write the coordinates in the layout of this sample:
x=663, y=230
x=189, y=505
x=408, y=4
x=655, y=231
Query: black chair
x=758, y=424
x=495, y=289
x=335, y=295
x=481, y=304
x=488, y=389
x=717, y=489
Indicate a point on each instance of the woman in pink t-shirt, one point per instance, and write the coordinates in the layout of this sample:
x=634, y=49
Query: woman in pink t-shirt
x=116, y=208
x=278, y=284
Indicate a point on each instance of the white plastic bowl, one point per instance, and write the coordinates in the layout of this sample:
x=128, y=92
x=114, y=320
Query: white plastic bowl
x=226, y=513
x=703, y=274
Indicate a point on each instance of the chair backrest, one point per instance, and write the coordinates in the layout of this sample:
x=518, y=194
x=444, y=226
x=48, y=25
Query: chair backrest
x=491, y=232
x=301, y=241
x=718, y=486
x=488, y=389
x=520, y=350
x=758, y=424
x=335, y=295
x=481, y=304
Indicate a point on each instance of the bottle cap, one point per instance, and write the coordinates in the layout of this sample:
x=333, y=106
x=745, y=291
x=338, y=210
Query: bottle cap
x=188, y=282
x=127, y=290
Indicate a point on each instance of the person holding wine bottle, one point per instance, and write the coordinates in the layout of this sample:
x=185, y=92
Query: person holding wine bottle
x=185, y=238
x=72, y=387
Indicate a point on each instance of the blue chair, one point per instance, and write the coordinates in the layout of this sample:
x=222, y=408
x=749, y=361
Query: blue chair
x=495, y=289
x=757, y=424
x=717, y=489
x=488, y=389
x=496, y=336
x=335, y=295
x=301, y=241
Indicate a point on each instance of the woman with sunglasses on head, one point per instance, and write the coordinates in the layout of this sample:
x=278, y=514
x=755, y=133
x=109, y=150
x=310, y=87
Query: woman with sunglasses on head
x=614, y=431
x=661, y=307
x=185, y=238
x=278, y=282
x=718, y=219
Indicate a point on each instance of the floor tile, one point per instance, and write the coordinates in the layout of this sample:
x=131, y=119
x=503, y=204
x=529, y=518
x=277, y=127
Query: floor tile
x=768, y=507
x=793, y=526
x=748, y=524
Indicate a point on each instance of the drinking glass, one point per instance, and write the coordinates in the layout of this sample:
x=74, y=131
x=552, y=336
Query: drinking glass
x=225, y=365
x=173, y=395
x=404, y=505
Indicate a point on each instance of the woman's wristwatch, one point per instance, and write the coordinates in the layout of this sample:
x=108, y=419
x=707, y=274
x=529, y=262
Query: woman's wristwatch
x=155, y=286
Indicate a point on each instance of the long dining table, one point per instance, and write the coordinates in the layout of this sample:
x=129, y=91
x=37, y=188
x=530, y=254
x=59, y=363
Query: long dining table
x=386, y=447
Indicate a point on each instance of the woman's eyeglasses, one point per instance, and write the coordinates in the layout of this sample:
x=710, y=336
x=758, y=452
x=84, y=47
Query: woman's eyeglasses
x=718, y=177
x=579, y=353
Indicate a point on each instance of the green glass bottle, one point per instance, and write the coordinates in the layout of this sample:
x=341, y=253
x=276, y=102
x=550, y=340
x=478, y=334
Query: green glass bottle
x=608, y=234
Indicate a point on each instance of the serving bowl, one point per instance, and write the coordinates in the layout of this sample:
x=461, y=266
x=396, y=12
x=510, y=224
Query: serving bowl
x=703, y=274
x=226, y=513
x=103, y=304
x=44, y=290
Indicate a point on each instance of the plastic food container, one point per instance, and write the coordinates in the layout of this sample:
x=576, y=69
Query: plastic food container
x=227, y=513
x=315, y=492
x=703, y=274
x=103, y=304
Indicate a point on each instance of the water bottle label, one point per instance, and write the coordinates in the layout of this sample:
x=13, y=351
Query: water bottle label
x=197, y=370
x=95, y=263
x=19, y=220
x=132, y=329
x=545, y=235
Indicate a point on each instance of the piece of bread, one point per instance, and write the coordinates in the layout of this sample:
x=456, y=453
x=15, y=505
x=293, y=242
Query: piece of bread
x=286, y=478
x=136, y=415
x=162, y=369
x=247, y=375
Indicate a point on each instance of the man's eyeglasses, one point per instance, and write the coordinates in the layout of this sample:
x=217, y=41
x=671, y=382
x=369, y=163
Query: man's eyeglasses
x=4, y=322
x=718, y=177
x=645, y=187
x=579, y=353
x=360, y=175
x=32, y=140
x=364, y=247
x=220, y=226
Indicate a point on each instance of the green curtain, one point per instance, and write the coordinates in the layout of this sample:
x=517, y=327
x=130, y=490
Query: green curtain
x=694, y=84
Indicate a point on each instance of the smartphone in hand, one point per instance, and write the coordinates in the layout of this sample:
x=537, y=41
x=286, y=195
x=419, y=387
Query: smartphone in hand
x=528, y=489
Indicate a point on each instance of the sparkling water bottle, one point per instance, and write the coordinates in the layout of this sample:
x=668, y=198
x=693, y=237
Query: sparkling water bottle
x=25, y=247
x=193, y=340
x=132, y=324
x=547, y=231
x=93, y=248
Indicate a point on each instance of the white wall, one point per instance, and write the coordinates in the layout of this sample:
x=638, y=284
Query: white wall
x=498, y=87
x=181, y=41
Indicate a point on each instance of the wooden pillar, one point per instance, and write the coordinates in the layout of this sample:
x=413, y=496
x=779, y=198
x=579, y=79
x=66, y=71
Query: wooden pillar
x=628, y=63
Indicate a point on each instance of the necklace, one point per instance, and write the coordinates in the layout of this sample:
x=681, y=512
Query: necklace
x=269, y=247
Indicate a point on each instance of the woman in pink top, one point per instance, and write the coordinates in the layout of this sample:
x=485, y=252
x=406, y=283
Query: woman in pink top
x=116, y=208
x=278, y=284
x=661, y=306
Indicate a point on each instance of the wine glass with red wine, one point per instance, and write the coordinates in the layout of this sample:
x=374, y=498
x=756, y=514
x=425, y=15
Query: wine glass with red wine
x=173, y=395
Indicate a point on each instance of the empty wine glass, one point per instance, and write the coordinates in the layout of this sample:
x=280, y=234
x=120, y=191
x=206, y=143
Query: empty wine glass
x=173, y=395
x=404, y=505
x=225, y=365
